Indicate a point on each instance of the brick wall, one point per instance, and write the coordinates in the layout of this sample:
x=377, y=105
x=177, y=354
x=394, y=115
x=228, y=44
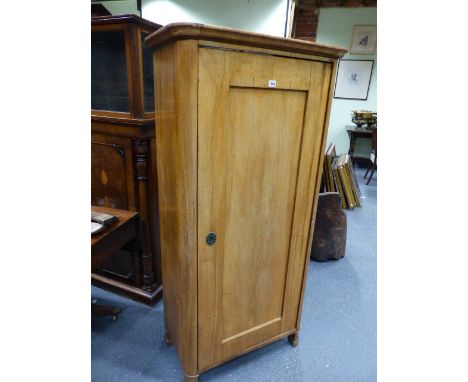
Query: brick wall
x=308, y=13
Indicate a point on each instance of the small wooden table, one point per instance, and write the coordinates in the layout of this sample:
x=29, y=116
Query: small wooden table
x=356, y=132
x=123, y=233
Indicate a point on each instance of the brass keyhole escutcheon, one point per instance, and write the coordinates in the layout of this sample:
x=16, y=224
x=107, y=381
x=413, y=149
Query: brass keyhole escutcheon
x=211, y=238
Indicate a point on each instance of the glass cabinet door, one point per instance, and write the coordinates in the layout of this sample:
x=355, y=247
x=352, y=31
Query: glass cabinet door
x=109, y=81
x=148, y=84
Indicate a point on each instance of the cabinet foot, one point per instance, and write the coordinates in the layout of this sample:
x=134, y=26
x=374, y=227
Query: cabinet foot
x=105, y=310
x=190, y=378
x=167, y=339
x=294, y=339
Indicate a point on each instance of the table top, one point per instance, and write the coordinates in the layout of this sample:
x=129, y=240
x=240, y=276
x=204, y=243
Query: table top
x=122, y=218
x=361, y=130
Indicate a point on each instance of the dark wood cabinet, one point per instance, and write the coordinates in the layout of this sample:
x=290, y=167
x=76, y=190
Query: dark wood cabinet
x=123, y=164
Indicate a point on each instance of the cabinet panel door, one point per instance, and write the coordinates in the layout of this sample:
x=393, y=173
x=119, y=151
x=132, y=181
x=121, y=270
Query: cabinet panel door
x=258, y=153
x=112, y=185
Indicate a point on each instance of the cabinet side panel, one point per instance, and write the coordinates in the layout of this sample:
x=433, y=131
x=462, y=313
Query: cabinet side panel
x=154, y=213
x=329, y=75
x=175, y=73
x=308, y=183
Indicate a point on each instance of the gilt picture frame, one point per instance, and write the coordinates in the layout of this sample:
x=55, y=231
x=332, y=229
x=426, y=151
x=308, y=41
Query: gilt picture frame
x=353, y=79
x=364, y=39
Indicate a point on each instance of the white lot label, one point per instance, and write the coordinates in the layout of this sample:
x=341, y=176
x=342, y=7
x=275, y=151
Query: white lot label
x=272, y=83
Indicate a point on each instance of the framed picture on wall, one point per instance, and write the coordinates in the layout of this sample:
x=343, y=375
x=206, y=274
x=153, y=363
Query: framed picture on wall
x=364, y=39
x=353, y=79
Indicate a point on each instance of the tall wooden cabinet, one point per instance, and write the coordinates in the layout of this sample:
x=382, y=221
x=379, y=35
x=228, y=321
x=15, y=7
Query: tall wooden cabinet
x=241, y=123
x=123, y=162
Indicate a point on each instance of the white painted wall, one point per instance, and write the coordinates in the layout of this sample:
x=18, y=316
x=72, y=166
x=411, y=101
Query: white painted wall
x=120, y=7
x=261, y=16
x=335, y=27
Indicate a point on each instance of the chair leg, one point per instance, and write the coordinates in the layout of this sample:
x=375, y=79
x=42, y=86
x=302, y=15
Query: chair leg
x=368, y=168
x=372, y=173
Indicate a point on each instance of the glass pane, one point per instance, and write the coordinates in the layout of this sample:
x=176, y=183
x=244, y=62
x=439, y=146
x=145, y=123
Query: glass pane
x=148, y=85
x=109, y=83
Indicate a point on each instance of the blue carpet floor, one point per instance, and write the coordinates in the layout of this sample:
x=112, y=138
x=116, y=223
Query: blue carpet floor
x=338, y=330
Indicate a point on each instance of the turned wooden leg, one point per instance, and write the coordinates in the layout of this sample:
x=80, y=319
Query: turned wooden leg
x=141, y=159
x=190, y=378
x=167, y=339
x=294, y=339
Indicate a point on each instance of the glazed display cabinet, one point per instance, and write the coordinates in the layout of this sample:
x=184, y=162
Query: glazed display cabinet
x=123, y=162
x=241, y=123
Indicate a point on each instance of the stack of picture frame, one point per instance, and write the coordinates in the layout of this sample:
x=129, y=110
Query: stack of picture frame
x=338, y=176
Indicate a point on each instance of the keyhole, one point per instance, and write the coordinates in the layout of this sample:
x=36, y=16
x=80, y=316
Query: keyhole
x=211, y=238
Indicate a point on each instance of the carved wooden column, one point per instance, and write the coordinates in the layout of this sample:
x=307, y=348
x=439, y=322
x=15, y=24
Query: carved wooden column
x=141, y=156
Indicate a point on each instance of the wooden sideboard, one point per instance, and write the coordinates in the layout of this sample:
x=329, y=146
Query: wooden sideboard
x=123, y=162
x=240, y=132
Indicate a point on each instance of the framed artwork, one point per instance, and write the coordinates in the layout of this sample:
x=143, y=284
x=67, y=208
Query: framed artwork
x=353, y=79
x=364, y=39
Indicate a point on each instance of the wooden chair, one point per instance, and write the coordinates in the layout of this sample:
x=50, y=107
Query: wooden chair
x=373, y=157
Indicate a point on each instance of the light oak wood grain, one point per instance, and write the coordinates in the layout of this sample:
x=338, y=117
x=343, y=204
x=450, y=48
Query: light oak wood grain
x=256, y=49
x=240, y=158
x=182, y=31
x=322, y=77
x=329, y=99
x=176, y=71
x=248, y=164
